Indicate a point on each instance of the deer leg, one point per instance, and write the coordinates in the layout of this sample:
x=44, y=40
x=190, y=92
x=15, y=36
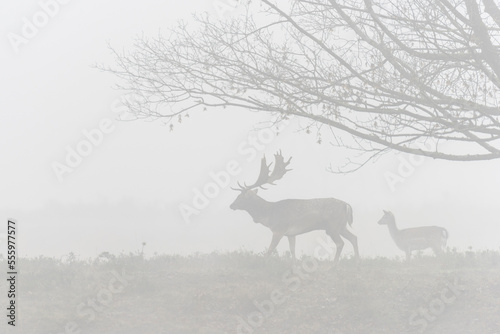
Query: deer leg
x=352, y=239
x=339, y=243
x=291, y=241
x=274, y=243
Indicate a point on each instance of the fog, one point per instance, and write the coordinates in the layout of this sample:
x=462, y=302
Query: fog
x=52, y=93
x=140, y=181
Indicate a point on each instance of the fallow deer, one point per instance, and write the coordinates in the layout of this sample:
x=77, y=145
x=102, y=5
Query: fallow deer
x=416, y=238
x=291, y=217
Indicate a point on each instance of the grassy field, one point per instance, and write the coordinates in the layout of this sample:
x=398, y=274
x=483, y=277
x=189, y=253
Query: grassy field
x=248, y=293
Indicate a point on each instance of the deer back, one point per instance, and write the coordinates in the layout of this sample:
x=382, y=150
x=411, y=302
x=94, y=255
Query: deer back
x=418, y=238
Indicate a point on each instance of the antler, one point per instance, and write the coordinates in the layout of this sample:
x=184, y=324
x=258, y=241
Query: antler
x=265, y=175
x=279, y=168
x=240, y=187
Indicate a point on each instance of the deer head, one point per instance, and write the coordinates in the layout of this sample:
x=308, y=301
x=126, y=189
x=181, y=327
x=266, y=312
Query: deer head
x=387, y=219
x=249, y=193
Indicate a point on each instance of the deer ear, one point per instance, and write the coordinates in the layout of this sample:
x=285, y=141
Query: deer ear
x=385, y=211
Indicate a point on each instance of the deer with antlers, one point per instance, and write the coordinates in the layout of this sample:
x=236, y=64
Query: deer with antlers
x=291, y=217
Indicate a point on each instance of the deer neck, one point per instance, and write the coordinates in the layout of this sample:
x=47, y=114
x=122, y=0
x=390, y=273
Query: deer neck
x=393, y=230
x=258, y=208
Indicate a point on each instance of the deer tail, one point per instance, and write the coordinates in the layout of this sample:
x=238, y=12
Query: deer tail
x=349, y=215
x=445, y=233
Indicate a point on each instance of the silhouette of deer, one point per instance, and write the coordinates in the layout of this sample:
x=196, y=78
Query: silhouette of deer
x=291, y=217
x=416, y=238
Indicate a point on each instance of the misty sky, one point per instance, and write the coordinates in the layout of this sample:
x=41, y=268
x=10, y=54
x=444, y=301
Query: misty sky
x=129, y=188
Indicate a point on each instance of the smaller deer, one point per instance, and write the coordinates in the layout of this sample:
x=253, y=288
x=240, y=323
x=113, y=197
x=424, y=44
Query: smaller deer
x=416, y=238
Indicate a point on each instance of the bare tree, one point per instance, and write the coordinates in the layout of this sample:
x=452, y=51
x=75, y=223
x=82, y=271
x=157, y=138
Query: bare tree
x=393, y=74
